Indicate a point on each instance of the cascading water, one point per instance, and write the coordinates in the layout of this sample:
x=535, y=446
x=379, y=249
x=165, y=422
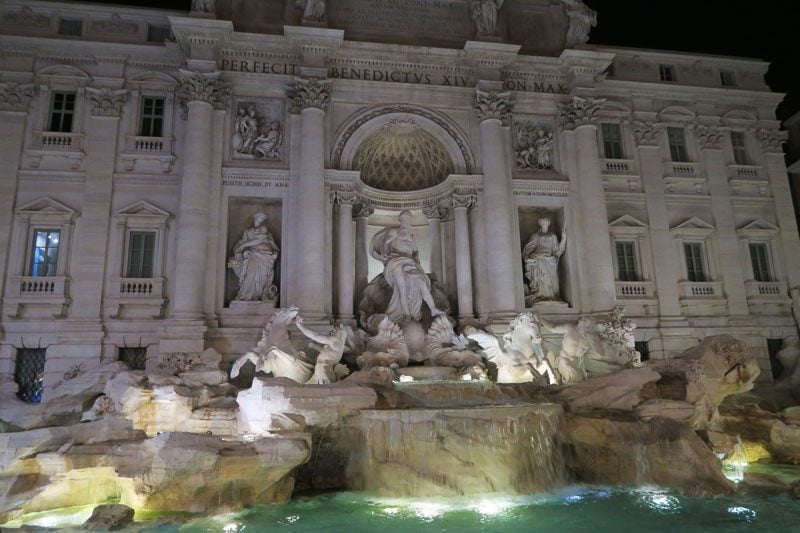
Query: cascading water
x=458, y=451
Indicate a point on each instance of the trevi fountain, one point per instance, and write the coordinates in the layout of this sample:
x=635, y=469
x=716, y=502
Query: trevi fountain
x=295, y=298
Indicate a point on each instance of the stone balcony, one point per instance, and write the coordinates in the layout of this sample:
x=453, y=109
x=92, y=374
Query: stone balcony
x=700, y=289
x=767, y=290
x=47, y=295
x=148, y=149
x=683, y=178
x=138, y=297
x=745, y=172
x=68, y=146
x=675, y=169
x=620, y=175
x=702, y=298
x=635, y=289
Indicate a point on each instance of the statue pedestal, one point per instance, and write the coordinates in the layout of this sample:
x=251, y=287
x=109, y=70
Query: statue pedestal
x=246, y=314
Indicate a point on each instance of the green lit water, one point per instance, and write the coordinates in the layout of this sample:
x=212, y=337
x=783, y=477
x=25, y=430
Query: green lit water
x=592, y=509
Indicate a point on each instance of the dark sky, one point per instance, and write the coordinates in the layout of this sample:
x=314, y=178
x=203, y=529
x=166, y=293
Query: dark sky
x=764, y=29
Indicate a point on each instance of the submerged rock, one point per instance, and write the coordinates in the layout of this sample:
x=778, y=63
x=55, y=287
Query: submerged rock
x=109, y=517
x=760, y=484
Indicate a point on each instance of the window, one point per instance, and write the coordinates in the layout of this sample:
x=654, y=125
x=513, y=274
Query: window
x=62, y=110
x=70, y=27
x=695, y=270
x=612, y=140
x=677, y=144
x=626, y=261
x=739, y=149
x=134, y=358
x=158, y=34
x=141, y=250
x=29, y=374
x=44, y=256
x=728, y=78
x=152, y=119
x=759, y=256
x=666, y=72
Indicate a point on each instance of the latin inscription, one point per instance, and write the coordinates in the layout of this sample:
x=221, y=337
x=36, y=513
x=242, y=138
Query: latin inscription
x=444, y=18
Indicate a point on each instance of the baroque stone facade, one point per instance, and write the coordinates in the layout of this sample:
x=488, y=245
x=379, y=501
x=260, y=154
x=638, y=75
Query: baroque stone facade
x=140, y=146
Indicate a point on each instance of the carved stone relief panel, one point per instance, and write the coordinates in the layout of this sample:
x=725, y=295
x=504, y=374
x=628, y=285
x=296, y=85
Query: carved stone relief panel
x=257, y=129
x=534, y=144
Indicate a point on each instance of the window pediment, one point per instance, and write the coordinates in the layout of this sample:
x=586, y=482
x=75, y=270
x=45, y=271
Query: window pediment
x=694, y=227
x=143, y=214
x=758, y=228
x=47, y=209
x=627, y=225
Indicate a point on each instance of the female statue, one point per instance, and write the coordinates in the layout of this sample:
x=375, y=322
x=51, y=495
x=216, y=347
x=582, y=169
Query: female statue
x=541, y=255
x=253, y=262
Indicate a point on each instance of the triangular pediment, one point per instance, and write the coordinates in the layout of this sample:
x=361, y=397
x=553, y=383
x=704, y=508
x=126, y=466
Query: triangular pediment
x=694, y=223
x=143, y=208
x=627, y=221
x=758, y=228
x=46, y=205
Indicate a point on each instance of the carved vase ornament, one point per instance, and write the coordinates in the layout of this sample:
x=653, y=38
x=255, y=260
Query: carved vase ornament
x=253, y=262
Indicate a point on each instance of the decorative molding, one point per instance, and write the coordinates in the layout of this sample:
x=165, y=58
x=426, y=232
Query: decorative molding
x=339, y=197
x=466, y=201
x=558, y=189
x=434, y=211
x=16, y=96
x=204, y=87
x=256, y=177
x=647, y=133
x=493, y=106
x=693, y=227
x=772, y=140
x=758, y=228
x=106, y=102
x=114, y=25
x=362, y=209
x=52, y=177
x=27, y=18
x=304, y=94
x=147, y=180
x=709, y=137
x=580, y=112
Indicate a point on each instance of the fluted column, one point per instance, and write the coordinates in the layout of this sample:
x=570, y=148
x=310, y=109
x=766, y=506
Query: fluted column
x=580, y=116
x=730, y=261
x=310, y=99
x=461, y=205
x=493, y=110
x=345, y=255
x=201, y=93
x=434, y=214
x=15, y=101
x=361, y=215
x=771, y=141
x=105, y=109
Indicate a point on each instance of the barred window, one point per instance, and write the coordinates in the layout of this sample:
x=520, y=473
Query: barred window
x=135, y=358
x=29, y=374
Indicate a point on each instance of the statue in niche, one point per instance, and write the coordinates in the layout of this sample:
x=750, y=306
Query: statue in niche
x=484, y=14
x=534, y=146
x=204, y=6
x=313, y=10
x=253, y=262
x=395, y=247
x=581, y=21
x=541, y=255
x=254, y=137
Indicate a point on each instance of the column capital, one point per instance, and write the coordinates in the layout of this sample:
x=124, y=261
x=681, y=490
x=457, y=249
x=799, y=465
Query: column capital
x=647, y=133
x=709, y=137
x=203, y=87
x=16, y=96
x=304, y=94
x=580, y=112
x=771, y=140
x=465, y=201
x=362, y=209
x=493, y=105
x=434, y=211
x=106, y=102
x=344, y=197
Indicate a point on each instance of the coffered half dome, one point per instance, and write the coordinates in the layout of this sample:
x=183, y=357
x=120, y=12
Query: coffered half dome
x=402, y=156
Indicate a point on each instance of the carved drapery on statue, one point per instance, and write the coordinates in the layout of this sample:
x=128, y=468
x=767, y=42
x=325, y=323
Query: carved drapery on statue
x=255, y=136
x=541, y=255
x=484, y=15
x=313, y=10
x=533, y=146
x=581, y=21
x=253, y=262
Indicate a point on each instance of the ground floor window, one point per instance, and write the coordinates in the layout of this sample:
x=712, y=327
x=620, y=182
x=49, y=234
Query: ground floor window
x=29, y=374
x=135, y=358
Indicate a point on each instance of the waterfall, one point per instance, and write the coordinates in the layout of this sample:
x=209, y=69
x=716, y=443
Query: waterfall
x=458, y=451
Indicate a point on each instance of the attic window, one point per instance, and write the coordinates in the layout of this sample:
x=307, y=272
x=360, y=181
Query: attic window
x=70, y=27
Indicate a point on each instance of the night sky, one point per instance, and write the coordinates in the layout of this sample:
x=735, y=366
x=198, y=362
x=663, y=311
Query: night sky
x=763, y=29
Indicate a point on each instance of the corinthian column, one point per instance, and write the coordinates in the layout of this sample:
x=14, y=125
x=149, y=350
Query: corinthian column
x=461, y=205
x=201, y=93
x=434, y=214
x=345, y=255
x=361, y=214
x=494, y=110
x=310, y=99
x=579, y=118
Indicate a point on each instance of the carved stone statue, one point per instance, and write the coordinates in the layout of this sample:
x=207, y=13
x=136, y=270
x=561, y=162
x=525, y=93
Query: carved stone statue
x=444, y=348
x=386, y=349
x=581, y=21
x=534, y=146
x=275, y=353
x=253, y=262
x=541, y=255
x=395, y=247
x=520, y=359
x=204, y=6
x=578, y=339
x=484, y=14
x=313, y=10
x=327, y=368
x=255, y=138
